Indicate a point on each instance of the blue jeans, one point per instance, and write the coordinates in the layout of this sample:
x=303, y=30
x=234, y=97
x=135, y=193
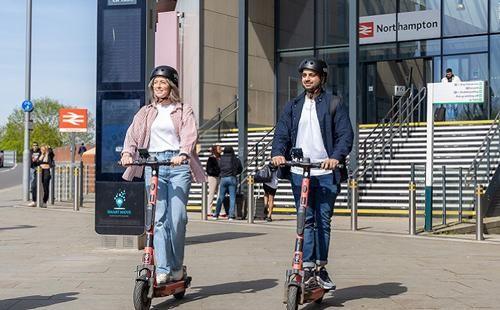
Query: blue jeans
x=227, y=184
x=322, y=195
x=170, y=215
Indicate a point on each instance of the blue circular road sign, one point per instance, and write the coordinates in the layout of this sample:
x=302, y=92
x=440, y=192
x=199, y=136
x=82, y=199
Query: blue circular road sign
x=27, y=106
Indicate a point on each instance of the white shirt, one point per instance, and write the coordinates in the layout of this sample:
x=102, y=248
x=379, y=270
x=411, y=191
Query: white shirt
x=454, y=79
x=309, y=138
x=163, y=134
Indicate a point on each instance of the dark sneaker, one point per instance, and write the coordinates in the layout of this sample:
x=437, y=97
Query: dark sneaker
x=309, y=276
x=268, y=219
x=324, y=279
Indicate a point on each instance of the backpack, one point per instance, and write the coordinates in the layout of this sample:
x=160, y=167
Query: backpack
x=334, y=103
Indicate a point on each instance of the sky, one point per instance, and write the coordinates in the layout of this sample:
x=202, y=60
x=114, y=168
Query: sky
x=63, y=59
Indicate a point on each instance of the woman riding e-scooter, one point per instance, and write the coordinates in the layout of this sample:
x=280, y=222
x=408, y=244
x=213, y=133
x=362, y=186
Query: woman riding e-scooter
x=166, y=128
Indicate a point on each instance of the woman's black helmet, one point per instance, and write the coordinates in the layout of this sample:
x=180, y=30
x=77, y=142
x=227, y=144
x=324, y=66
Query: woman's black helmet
x=314, y=64
x=166, y=72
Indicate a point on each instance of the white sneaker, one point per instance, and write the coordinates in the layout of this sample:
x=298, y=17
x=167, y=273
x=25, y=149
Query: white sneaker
x=162, y=278
x=177, y=275
x=32, y=204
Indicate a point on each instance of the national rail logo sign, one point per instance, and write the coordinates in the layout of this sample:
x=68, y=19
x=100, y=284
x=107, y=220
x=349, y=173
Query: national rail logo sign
x=406, y=26
x=365, y=30
x=73, y=120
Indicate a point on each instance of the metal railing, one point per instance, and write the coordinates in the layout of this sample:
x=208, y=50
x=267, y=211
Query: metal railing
x=217, y=120
x=399, y=120
x=484, y=152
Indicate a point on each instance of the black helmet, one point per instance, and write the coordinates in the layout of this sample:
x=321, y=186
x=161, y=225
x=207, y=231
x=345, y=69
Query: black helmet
x=167, y=72
x=314, y=64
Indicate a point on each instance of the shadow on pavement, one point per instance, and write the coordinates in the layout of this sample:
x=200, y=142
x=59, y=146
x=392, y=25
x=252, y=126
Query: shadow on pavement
x=36, y=301
x=340, y=296
x=223, y=236
x=201, y=292
x=17, y=227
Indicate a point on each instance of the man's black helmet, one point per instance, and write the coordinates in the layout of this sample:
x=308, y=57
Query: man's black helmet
x=166, y=72
x=314, y=64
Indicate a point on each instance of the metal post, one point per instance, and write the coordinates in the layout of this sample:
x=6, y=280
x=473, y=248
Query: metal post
x=76, y=198
x=204, y=201
x=413, y=203
x=353, y=186
x=242, y=116
x=250, y=200
x=219, y=122
x=87, y=179
x=72, y=165
x=80, y=183
x=52, y=194
x=444, y=195
x=39, y=187
x=354, y=88
x=27, y=115
x=479, y=213
x=460, y=195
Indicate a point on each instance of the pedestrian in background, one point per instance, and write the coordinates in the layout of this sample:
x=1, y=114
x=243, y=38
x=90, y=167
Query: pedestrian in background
x=46, y=162
x=213, y=172
x=34, y=154
x=230, y=168
x=269, y=193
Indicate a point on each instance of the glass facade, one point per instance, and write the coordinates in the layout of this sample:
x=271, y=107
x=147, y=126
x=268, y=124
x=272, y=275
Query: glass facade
x=468, y=44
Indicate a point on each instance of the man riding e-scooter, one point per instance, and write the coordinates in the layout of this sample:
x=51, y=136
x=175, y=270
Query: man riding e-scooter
x=325, y=136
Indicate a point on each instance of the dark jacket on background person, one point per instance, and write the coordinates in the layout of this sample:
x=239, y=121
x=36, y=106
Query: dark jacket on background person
x=229, y=164
x=213, y=168
x=336, y=130
x=34, y=154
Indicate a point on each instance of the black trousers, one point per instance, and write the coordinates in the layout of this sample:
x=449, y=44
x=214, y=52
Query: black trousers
x=45, y=185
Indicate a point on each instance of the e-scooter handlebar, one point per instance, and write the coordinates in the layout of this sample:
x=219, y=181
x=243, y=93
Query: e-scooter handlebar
x=150, y=163
x=306, y=164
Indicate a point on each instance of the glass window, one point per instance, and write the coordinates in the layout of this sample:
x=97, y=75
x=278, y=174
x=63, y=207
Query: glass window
x=473, y=67
x=371, y=7
x=419, y=48
x=465, y=45
x=289, y=85
x=419, y=5
x=338, y=70
x=332, y=26
x=462, y=17
x=296, y=24
x=495, y=75
x=495, y=15
x=377, y=52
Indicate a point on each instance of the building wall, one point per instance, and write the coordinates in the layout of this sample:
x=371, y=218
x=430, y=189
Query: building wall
x=220, y=58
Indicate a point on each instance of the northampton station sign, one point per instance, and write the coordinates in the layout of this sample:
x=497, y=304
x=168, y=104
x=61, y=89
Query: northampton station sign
x=407, y=26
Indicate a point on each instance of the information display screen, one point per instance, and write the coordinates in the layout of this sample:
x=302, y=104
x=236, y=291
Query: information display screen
x=121, y=46
x=117, y=115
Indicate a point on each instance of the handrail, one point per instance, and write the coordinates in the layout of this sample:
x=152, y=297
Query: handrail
x=261, y=139
x=390, y=112
x=202, y=127
x=258, y=155
x=420, y=97
x=477, y=159
x=205, y=131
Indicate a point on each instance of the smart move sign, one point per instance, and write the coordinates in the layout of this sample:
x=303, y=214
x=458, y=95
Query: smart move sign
x=405, y=26
x=456, y=93
x=73, y=120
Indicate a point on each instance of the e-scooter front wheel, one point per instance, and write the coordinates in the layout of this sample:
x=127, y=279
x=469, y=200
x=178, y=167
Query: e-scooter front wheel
x=141, y=300
x=292, y=302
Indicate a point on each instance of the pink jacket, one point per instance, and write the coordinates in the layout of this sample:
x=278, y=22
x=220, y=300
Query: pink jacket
x=139, y=132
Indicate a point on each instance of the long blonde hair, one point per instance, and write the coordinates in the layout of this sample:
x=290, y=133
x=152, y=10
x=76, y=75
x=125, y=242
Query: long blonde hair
x=174, y=95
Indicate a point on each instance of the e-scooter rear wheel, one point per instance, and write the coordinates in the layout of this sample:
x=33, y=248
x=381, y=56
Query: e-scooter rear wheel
x=292, y=302
x=179, y=295
x=141, y=300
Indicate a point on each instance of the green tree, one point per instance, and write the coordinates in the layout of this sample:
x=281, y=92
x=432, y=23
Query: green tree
x=45, y=118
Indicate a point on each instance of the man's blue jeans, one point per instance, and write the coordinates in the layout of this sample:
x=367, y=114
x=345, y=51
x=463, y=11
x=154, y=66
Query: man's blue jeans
x=227, y=184
x=170, y=215
x=322, y=195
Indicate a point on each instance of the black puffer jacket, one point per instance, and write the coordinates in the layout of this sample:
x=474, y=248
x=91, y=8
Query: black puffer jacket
x=213, y=169
x=229, y=165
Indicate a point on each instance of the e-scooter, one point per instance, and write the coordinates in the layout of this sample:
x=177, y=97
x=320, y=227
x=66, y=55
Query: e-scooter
x=297, y=292
x=146, y=287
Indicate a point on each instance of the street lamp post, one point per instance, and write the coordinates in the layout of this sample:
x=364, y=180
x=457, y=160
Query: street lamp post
x=27, y=114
